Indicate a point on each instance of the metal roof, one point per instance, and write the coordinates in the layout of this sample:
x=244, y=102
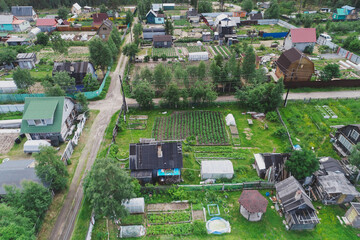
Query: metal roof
x=6, y=19
x=330, y=164
x=162, y=38
x=46, y=22
x=337, y=183
x=26, y=55
x=40, y=109
x=302, y=35
x=22, y=11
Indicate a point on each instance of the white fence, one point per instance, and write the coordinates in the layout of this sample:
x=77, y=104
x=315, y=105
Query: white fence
x=74, y=141
x=11, y=108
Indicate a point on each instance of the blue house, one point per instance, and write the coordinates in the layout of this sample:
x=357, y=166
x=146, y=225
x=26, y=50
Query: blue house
x=153, y=18
x=6, y=23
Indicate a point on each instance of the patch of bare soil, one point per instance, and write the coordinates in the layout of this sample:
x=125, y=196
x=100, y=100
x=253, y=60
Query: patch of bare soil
x=166, y=207
x=37, y=88
x=198, y=215
x=79, y=49
x=7, y=141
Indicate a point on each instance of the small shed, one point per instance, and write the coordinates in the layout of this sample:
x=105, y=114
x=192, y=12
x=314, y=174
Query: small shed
x=34, y=32
x=353, y=214
x=162, y=41
x=135, y=205
x=31, y=146
x=26, y=60
x=217, y=169
x=15, y=41
x=199, y=56
x=132, y=231
x=252, y=205
x=8, y=87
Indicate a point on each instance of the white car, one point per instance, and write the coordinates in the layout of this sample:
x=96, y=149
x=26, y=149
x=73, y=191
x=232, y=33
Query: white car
x=326, y=37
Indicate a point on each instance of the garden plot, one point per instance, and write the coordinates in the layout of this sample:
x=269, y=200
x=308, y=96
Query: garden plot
x=166, y=207
x=74, y=53
x=192, y=49
x=207, y=126
x=138, y=122
x=7, y=141
x=168, y=52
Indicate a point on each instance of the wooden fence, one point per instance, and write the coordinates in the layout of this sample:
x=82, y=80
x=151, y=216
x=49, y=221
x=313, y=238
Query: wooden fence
x=322, y=84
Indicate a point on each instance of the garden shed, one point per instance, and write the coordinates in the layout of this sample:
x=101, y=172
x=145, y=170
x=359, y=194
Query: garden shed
x=135, y=205
x=252, y=205
x=132, y=231
x=26, y=60
x=216, y=169
x=353, y=214
x=199, y=56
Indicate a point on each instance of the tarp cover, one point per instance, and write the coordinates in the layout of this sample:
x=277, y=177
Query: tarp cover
x=230, y=120
x=132, y=231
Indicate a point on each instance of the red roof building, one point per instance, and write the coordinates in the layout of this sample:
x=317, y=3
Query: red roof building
x=252, y=205
x=99, y=18
x=300, y=38
x=46, y=24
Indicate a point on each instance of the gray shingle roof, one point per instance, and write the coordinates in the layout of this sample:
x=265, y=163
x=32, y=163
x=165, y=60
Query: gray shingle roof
x=22, y=10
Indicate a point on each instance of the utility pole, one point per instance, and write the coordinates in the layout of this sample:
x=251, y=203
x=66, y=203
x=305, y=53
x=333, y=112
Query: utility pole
x=287, y=93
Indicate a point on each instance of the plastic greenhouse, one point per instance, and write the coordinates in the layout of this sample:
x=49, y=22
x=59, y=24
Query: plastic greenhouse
x=132, y=231
x=198, y=56
x=135, y=205
x=230, y=120
x=218, y=225
x=217, y=169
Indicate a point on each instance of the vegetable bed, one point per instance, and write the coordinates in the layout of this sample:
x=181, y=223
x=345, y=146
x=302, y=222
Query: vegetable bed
x=174, y=217
x=169, y=52
x=173, y=229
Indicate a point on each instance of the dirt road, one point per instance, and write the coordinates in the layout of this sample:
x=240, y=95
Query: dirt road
x=65, y=222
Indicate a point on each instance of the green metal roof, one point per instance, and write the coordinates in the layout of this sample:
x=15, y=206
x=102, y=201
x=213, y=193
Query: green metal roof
x=38, y=109
x=340, y=11
x=42, y=108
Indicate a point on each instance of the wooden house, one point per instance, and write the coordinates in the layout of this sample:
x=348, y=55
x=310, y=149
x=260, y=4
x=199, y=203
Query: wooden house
x=162, y=41
x=76, y=9
x=48, y=118
x=300, y=214
x=294, y=65
x=26, y=60
x=99, y=18
x=346, y=137
x=156, y=161
x=334, y=188
x=105, y=29
x=252, y=205
x=256, y=16
x=154, y=18
x=353, y=214
x=271, y=166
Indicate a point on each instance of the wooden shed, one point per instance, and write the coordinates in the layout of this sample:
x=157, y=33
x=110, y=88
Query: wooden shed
x=353, y=214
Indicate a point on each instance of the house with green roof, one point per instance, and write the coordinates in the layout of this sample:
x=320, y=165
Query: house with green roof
x=48, y=118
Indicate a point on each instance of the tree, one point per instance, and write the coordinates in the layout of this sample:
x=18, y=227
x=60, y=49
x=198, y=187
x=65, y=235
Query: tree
x=113, y=49
x=201, y=70
x=130, y=50
x=169, y=28
x=64, y=80
x=107, y=186
x=302, y=163
x=3, y=6
x=203, y=92
x=63, y=13
x=7, y=55
x=144, y=94
x=90, y=83
x=32, y=201
x=83, y=102
x=146, y=74
x=159, y=76
x=13, y=225
x=116, y=37
x=273, y=12
x=264, y=97
x=54, y=91
x=22, y=78
x=247, y=5
x=354, y=159
x=58, y=44
x=172, y=95
x=204, y=6
x=129, y=17
x=50, y=169
x=42, y=39
x=100, y=54
x=248, y=65
x=330, y=71
x=103, y=8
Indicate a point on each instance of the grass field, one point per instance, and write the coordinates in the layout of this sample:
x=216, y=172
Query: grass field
x=180, y=22
x=266, y=28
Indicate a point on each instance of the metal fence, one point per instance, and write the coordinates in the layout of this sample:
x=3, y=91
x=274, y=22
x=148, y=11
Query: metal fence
x=267, y=21
x=285, y=24
x=11, y=108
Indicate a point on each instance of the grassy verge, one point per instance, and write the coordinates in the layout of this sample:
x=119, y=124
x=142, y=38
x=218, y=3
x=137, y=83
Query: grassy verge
x=59, y=198
x=328, y=89
x=82, y=221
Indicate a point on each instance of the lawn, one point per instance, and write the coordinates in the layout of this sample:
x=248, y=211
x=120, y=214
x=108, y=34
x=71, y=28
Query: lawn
x=266, y=28
x=180, y=22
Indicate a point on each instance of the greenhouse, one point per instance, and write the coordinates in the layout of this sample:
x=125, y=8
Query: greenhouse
x=135, y=205
x=132, y=231
x=199, y=56
x=217, y=169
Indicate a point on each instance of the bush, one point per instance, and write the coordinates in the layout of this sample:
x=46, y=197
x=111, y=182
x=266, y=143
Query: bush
x=191, y=140
x=163, y=57
x=262, y=47
x=189, y=175
x=199, y=228
x=272, y=116
x=309, y=49
x=155, y=58
x=147, y=58
x=280, y=133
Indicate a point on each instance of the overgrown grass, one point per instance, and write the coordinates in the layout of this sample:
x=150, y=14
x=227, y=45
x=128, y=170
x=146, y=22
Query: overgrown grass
x=82, y=221
x=11, y=115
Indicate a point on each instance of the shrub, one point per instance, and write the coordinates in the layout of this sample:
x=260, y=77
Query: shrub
x=262, y=47
x=155, y=58
x=163, y=57
x=189, y=175
x=147, y=58
x=272, y=116
x=280, y=133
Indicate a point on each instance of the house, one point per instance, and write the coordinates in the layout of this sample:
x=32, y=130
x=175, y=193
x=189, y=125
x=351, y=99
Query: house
x=154, y=18
x=252, y=205
x=76, y=70
x=149, y=33
x=271, y=166
x=87, y=9
x=156, y=161
x=300, y=38
x=265, y=5
x=339, y=14
x=255, y=16
x=206, y=37
x=191, y=13
x=99, y=18
x=353, y=214
x=14, y=41
x=48, y=118
x=6, y=23
x=24, y=13
x=300, y=213
x=14, y=172
x=105, y=29
x=224, y=25
x=46, y=25
x=26, y=60
x=346, y=137
x=8, y=87
x=334, y=188
x=20, y=25
x=76, y=9
x=241, y=14
x=329, y=164
x=217, y=169
x=162, y=41
x=294, y=65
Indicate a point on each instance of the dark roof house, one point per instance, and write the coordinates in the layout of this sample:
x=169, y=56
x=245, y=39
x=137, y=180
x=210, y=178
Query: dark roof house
x=252, y=205
x=294, y=65
x=150, y=161
x=24, y=13
x=14, y=172
x=162, y=41
x=149, y=33
x=98, y=19
x=300, y=213
x=77, y=70
x=256, y=16
x=329, y=164
x=346, y=137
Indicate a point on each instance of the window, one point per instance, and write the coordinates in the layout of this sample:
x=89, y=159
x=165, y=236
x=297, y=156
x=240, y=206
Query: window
x=66, y=107
x=354, y=135
x=345, y=143
x=103, y=36
x=104, y=28
x=165, y=43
